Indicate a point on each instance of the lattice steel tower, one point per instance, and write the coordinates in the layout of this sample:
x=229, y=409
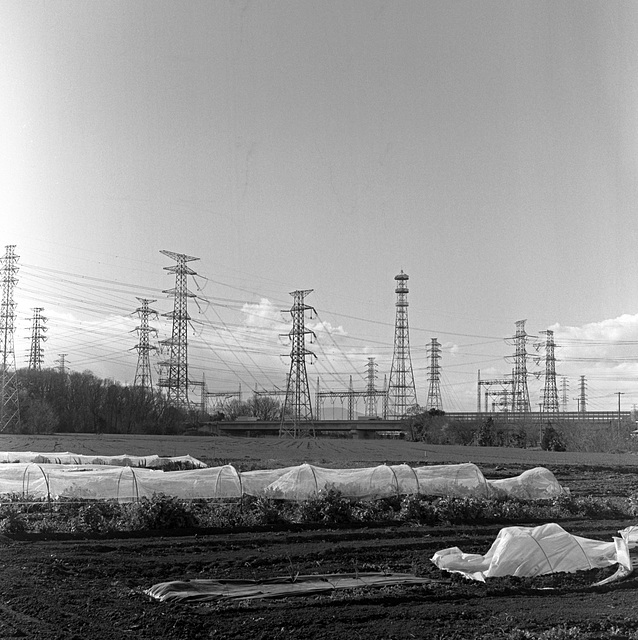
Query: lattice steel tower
x=550, y=390
x=36, y=352
x=401, y=389
x=296, y=417
x=143, y=376
x=371, y=392
x=520, y=393
x=582, y=401
x=564, y=395
x=9, y=407
x=434, y=400
x=176, y=380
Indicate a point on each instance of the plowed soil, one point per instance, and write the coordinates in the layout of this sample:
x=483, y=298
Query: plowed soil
x=74, y=588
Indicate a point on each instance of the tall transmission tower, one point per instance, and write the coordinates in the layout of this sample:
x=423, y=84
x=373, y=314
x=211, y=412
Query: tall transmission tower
x=176, y=380
x=143, y=376
x=520, y=393
x=62, y=363
x=434, y=400
x=9, y=407
x=582, y=400
x=550, y=391
x=371, y=395
x=564, y=395
x=36, y=353
x=401, y=389
x=296, y=417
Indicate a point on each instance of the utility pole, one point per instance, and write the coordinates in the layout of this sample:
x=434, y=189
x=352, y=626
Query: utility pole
x=296, y=416
x=38, y=329
x=143, y=376
x=9, y=406
x=434, y=400
x=176, y=380
x=401, y=389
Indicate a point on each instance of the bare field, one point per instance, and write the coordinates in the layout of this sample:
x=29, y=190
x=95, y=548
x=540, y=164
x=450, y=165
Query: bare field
x=67, y=588
x=328, y=452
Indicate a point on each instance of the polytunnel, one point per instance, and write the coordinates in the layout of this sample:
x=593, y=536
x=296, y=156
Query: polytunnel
x=452, y=480
x=533, y=484
x=306, y=481
x=212, y=482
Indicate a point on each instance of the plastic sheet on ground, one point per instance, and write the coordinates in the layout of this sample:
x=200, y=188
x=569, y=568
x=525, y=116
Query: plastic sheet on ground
x=208, y=590
x=532, y=551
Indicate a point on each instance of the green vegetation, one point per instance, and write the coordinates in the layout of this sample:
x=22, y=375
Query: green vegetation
x=330, y=508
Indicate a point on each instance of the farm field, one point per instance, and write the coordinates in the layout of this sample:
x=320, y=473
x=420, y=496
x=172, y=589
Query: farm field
x=329, y=452
x=75, y=587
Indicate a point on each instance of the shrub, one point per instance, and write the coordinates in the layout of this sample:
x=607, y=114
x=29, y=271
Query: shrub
x=97, y=517
x=267, y=511
x=159, y=512
x=329, y=507
x=13, y=522
x=418, y=509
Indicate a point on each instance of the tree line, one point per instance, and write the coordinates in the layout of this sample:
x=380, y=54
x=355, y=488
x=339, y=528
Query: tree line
x=77, y=402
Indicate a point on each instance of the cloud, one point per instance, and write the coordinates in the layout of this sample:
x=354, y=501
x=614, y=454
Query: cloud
x=325, y=327
x=262, y=315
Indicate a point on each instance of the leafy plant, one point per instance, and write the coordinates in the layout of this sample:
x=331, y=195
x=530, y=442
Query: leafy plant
x=159, y=512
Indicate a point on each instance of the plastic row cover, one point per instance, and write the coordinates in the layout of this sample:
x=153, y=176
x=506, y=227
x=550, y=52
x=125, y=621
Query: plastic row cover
x=291, y=483
x=66, y=457
x=532, y=551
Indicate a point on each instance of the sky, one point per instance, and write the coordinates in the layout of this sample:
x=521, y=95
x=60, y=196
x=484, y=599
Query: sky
x=487, y=149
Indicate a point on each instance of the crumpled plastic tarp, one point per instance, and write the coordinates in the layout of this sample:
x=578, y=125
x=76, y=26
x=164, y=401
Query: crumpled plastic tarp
x=532, y=551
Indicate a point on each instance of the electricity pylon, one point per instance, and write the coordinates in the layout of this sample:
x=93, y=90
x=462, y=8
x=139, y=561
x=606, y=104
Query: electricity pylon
x=143, y=376
x=371, y=395
x=9, y=406
x=36, y=353
x=176, y=380
x=296, y=416
x=401, y=389
x=62, y=363
x=520, y=393
x=582, y=400
x=550, y=391
x=564, y=395
x=434, y=400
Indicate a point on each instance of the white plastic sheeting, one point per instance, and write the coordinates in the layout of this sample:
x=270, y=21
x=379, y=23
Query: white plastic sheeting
x=532, y=551
x=124, y=460
x=291, y=483
x=306, y=481
x=534, y=484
